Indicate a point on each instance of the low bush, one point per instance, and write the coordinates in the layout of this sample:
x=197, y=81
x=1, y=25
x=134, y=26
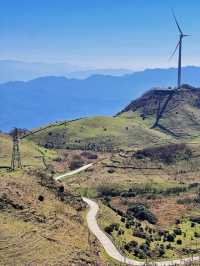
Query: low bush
x=195, y=219
x=140, y=234
x=185, y=201
x=76, y=162
x=170, y=238
x=89, y=155
x=197, y=235
x=130, y=246
x=108, y=190
x=111, y=171
x=140, y=212
x=167, y=153
x=161, y=251
x=178, y=231
x=109, y=229
x=123, y=219
x=179, y=242
x=128, y=194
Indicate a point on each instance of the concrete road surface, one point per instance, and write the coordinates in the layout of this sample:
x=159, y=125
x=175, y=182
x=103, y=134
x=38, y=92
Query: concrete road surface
x=110, y=248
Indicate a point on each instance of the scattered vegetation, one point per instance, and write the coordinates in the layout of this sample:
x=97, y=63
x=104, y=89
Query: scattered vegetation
x=141, y=212
x=167, y=154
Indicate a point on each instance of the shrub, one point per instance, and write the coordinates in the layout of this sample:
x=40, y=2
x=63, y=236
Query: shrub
x=127, y=225
x=197, y=235
x=170, y=238
x=141, y=255
x=128, y=194
x=195, y=219
x=175, y=190
x=120, y=232
x=177, y=231
x=111, y=171
x=130, y=246
x=193, y=224
x=144, y=247
x=108, y=230
x=140, y=234
x=168, y=246
x=185, y=201
x=161, y=232
x=161, y=251
x=89, y=155
x=140, y=212
x=179, y=242
x=107, y=199
x=167, y=153
x=41, y=198
x=77, y=162
x=120, y=213
x=108, y=190
x=123, y=219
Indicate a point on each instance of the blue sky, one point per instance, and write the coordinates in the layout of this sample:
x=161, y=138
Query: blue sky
x=132, y=34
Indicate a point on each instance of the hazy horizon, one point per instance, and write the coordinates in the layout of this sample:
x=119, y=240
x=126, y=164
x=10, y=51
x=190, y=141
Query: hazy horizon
x=99, y=34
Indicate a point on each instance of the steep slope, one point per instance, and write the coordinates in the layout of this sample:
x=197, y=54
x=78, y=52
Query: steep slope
x=41, y=220
x=179, y=110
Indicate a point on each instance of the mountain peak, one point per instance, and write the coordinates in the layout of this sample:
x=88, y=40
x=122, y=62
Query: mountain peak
x=178, y=109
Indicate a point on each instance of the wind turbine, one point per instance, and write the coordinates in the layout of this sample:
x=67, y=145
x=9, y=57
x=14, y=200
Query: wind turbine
x=178, y=46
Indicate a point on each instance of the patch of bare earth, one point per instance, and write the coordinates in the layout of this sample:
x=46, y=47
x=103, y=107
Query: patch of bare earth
x=41, y=223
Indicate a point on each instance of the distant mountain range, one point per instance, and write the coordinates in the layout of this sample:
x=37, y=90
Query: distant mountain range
x=11, y=70
x=47, y=99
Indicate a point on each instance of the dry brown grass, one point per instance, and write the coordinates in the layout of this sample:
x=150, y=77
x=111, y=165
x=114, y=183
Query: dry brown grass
x=47, y=232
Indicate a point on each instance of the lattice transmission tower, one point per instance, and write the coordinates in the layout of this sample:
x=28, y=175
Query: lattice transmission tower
x=16, y=158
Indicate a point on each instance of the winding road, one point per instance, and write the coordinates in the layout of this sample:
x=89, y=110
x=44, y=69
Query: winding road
x=110, y=248
x=105, y=241
x=82, y=168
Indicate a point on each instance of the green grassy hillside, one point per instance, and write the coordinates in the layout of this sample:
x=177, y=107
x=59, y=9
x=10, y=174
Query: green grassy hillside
x=31, y=153
x=132, y=127
x=100, y=133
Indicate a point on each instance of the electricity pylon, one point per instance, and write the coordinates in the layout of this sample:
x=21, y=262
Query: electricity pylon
x=16, y=158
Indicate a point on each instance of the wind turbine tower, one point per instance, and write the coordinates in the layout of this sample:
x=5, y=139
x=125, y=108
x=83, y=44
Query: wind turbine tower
x=179, y=46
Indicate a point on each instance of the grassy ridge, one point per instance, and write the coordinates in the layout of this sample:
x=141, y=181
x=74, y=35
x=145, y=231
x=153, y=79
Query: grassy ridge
x=103, y=132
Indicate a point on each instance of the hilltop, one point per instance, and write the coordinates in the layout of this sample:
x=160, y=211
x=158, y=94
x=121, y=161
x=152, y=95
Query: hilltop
x=179, y=109
x=52, y=98
x=132, y=127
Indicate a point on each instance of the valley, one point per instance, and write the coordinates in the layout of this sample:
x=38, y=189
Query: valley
x=145, y=179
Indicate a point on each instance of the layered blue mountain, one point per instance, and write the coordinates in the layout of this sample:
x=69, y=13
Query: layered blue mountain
x=47, y=99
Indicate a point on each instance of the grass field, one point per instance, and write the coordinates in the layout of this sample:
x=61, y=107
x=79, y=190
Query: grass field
x=31, y=153
x=104, y=133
